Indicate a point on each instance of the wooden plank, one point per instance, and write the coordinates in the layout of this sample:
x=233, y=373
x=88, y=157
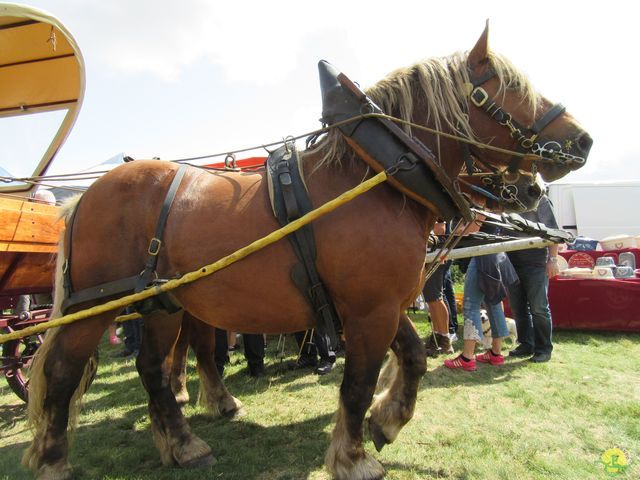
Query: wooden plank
x=28, y=247
x=26, y=226
x=34, y=227
x=27, y=271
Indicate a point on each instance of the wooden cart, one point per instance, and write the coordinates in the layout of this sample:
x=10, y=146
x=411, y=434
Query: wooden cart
x=41, y=74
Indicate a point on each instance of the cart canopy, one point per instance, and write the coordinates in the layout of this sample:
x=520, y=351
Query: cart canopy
x=42, y=84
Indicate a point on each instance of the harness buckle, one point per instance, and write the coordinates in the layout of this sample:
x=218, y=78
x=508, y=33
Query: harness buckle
x=479, y=96
x=154, y=246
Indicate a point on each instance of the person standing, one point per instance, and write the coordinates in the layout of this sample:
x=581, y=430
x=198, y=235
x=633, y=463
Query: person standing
x=438, y=342
x=253, y=344
x=313, y=345
x=528, y=299
x=485, y=282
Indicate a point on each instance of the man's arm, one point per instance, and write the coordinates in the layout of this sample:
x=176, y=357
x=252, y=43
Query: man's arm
x=552, y=261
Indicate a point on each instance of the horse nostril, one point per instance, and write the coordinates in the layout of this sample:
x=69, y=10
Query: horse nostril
x=535, y=191
x=584, y=143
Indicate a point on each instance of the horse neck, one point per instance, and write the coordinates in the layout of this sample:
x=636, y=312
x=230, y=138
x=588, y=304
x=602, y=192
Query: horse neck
x=448, y=152
x=328, y=181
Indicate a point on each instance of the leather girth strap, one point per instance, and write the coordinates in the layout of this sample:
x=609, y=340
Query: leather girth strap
x=290, y=201
x=136, y=283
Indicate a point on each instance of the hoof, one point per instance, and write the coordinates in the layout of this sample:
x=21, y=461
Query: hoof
x=206, y=461
x=232, y=408
x=182, y=398
x=365, y=468
x=377, y=435
x=55, y=472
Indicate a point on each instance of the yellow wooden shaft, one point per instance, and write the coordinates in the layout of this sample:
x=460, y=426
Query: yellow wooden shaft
x=205, y=270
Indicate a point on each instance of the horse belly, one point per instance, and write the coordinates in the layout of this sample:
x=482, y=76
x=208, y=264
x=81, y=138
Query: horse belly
x=255, y=294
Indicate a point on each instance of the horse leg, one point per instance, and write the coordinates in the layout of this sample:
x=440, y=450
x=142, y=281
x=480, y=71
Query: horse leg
x=399, y=382
x=213, y=395
x=367, y=341
x=179, y=367
x=171, y=433
x=59, y=376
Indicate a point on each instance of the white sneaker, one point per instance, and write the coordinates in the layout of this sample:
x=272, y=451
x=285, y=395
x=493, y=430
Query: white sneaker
x=453, y=337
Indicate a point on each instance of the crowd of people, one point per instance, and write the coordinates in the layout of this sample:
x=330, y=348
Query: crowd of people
x=521, y=276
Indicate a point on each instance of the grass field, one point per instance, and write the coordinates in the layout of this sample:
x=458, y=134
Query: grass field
x=518, y=421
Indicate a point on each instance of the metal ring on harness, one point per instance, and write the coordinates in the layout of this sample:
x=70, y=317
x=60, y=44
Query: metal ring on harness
x=230, y=162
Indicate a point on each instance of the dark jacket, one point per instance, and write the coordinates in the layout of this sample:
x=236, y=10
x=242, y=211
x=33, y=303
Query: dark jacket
x=495, y=273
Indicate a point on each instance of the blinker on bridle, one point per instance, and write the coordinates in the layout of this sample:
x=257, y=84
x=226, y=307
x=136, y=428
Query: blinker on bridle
x=527, y=138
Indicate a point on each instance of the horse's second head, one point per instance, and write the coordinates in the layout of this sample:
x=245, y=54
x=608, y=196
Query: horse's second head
x=504, y=191
x=505, y=112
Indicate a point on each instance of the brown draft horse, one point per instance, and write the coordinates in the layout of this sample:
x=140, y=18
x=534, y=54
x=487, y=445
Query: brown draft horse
x=505, y=192
x=370, y=255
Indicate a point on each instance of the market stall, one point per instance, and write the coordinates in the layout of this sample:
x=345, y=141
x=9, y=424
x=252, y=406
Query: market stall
x=611, y=304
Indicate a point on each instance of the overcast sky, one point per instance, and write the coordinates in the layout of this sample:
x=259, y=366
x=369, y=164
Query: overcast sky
x=178, y=79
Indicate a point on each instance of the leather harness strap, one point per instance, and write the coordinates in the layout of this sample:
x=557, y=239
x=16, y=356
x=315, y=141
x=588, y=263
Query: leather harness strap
x=290, y=202
x=149, y=271
x=134, y=283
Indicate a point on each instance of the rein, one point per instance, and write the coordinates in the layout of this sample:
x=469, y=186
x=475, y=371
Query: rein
x=314, y=134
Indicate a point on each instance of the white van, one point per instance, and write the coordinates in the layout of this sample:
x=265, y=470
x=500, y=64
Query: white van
x=597, y=209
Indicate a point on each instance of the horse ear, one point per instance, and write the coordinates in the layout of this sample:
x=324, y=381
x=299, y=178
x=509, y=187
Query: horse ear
x=480, y=52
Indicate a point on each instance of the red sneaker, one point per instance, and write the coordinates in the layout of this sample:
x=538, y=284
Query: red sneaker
x=460, y=362
x=488, y=357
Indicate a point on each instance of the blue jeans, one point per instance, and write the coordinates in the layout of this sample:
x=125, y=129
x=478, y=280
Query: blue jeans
x=473, y=298
x=530, y=306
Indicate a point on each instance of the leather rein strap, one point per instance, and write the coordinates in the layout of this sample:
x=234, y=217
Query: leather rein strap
x=135, y=283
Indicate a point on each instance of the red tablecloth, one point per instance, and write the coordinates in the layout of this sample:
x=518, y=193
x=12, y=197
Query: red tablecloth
x=612, y=305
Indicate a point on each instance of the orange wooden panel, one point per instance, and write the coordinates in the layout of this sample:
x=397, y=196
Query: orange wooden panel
x=26, y=271
x=37, y=228
x=27, y=226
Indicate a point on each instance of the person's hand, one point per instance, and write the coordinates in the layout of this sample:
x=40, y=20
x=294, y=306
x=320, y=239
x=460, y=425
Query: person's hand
x=475, y=227
x=552, y=267
x=439, y=228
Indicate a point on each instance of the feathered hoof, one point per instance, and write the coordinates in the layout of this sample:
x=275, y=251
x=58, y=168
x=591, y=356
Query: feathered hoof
x=377, y=435
x=366, y=468
x=182, y=398
x=194, y=454
x=206, y=461
x=233, y=409
x=58, y=471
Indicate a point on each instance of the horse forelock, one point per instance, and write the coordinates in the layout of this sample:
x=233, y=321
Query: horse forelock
x=439, y=85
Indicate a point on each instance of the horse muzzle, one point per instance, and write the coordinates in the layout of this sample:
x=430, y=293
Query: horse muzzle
x=562, y=157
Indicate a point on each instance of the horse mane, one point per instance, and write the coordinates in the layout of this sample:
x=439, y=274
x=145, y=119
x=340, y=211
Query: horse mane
x=437, y=84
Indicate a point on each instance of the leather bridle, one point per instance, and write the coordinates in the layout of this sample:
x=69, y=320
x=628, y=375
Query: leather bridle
x=528, y=138
x=498, y=186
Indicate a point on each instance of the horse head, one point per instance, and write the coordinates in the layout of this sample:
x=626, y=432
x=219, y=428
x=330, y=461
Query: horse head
x=503, y=191
x=504, y=111
x=476, y=108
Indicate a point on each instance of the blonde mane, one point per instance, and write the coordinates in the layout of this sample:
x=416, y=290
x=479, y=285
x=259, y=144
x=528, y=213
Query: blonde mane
x=437, y=84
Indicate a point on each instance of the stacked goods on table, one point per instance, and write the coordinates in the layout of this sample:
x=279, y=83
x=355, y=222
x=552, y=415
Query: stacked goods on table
x=611, y=257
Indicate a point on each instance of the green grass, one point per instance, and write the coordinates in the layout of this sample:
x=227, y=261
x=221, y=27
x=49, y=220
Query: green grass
x=518, y=421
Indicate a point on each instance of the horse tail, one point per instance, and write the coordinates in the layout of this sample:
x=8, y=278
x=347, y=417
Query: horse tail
x=37, y=381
